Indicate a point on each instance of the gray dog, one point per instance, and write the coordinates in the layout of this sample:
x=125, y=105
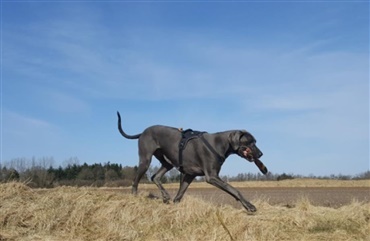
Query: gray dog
x=203, y=156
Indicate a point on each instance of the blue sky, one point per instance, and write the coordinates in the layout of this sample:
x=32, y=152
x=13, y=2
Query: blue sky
x=294, y=74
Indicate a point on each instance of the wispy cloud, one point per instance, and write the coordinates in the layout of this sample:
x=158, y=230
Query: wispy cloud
x=277, y=79
x=22, y=124
x=25, y=135
x=65, y=103
x=198, y=66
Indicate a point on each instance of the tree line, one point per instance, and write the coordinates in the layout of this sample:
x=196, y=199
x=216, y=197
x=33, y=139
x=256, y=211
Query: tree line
x=41, y=173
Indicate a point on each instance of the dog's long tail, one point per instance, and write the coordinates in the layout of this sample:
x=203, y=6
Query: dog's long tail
x=122, y=132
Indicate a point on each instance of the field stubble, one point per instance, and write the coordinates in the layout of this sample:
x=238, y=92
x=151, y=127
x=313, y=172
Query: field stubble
x=69, y=213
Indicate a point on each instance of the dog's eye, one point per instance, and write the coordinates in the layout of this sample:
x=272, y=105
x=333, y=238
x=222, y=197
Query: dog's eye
x=251, y=143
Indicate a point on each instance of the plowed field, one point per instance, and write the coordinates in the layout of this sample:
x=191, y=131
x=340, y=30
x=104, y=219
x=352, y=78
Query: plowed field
x=286, y=196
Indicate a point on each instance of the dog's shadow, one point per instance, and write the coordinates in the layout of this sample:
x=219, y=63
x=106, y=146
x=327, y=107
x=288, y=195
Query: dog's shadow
x=152, y=196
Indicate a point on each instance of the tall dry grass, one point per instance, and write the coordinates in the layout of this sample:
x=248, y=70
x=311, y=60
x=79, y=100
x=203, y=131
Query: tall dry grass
x=69, y=213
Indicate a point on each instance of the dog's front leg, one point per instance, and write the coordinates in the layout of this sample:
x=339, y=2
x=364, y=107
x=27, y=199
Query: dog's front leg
x=217, y=182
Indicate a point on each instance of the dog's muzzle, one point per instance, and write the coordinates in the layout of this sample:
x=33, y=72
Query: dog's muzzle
x=250, y=152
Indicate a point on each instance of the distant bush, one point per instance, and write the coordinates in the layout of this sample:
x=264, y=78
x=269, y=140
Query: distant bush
x=9, y=174
x=363, y=176
x=284, y=177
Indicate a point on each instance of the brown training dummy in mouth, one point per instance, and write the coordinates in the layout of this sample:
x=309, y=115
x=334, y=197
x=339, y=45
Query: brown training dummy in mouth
x=261, y=166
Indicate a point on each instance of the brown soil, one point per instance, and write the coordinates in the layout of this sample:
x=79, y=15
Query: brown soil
x=286, y=196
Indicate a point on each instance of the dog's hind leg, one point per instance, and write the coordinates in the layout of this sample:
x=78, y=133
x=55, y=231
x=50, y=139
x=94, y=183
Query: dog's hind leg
x=143, y=167
x=156, y=178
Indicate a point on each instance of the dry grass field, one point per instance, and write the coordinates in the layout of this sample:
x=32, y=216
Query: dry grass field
x=69, y=213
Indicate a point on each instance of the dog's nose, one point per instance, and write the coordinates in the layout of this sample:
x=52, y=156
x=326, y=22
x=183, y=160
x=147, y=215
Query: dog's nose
x=260, y=154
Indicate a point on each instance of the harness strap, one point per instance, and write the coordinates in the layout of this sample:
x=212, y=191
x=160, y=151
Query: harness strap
x=219, y=157
x=188, y=135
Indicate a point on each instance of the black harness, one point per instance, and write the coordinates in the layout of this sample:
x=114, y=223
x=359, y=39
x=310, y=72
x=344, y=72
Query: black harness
x=188, y=135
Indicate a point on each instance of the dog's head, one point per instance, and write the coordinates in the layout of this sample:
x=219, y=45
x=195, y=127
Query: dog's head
x=244, y=145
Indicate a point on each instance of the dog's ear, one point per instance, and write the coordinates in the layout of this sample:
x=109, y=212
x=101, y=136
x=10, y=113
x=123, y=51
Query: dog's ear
x=234, y=139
